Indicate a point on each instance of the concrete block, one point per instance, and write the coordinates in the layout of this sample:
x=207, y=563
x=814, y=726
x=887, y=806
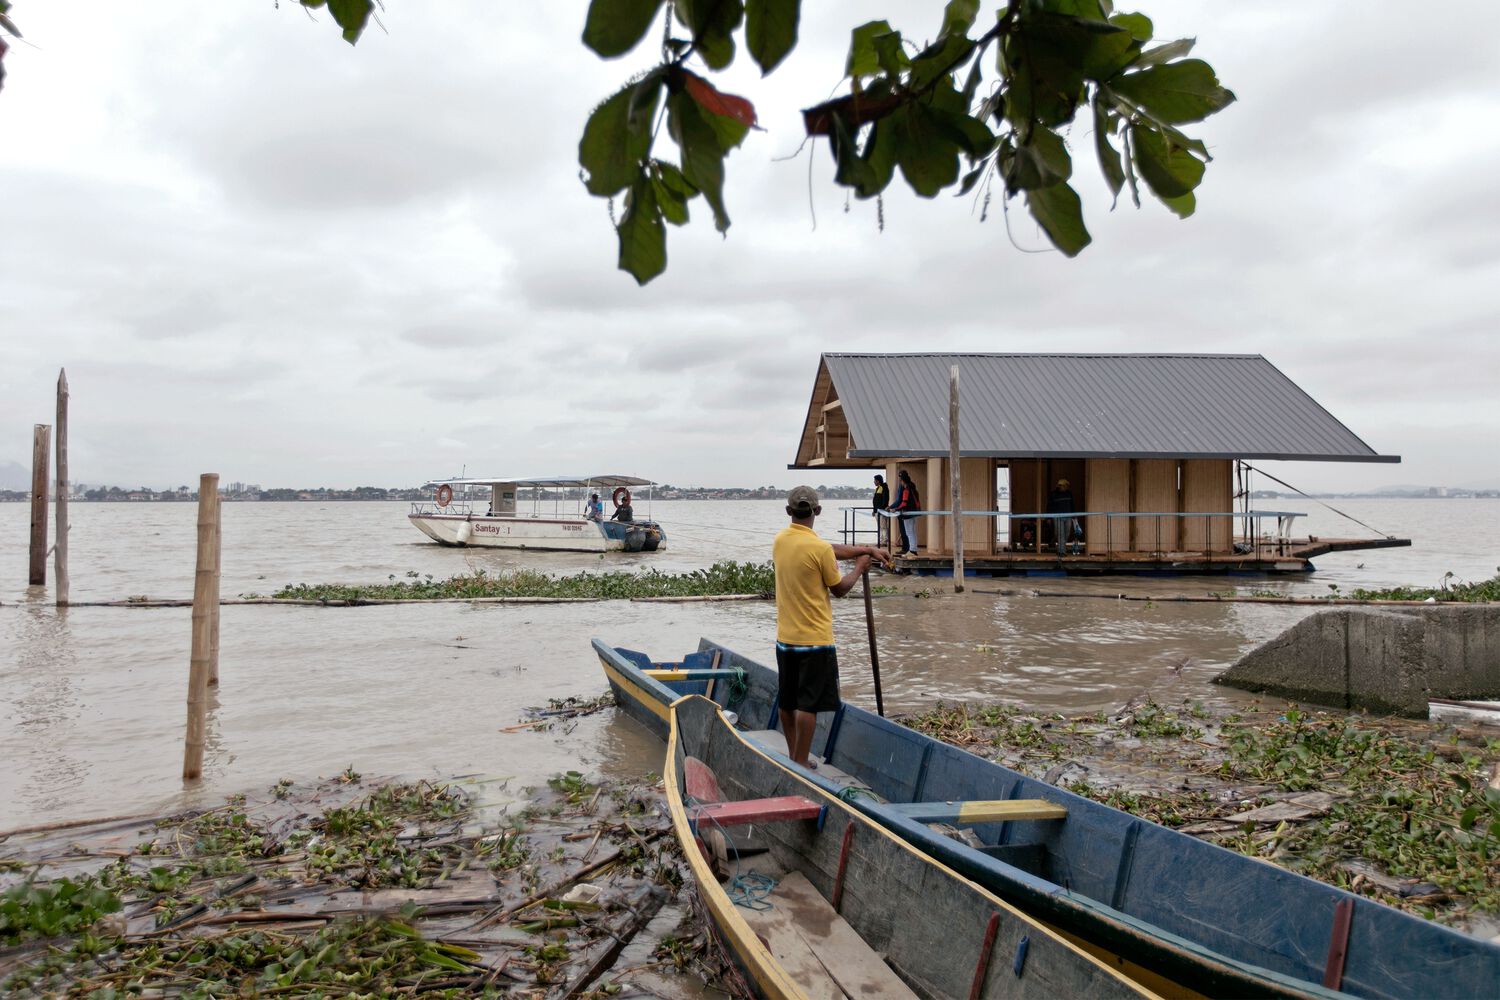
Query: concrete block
x=1378, y=659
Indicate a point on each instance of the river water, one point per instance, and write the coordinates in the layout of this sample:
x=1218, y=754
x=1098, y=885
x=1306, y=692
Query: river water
x=92, y=700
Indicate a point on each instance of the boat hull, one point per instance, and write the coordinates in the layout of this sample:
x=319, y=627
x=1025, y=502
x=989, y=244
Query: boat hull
x=1196, y=913
x=561, y=534
x=958, y=934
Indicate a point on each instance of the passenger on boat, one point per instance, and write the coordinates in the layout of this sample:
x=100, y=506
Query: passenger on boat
x=807, y=577
x=594, y=509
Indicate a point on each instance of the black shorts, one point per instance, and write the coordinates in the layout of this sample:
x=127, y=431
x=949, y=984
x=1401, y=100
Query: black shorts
x=809, y=678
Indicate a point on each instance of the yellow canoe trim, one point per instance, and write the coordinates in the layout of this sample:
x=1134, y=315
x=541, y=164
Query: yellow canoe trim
x=771, y=979
x=651, y=703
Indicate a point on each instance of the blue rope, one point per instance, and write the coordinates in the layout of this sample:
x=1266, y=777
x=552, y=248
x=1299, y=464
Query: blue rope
x=751, y=889
x=748, y=889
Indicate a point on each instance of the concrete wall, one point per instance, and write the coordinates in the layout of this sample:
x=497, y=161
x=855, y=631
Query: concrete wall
x=1382, y=660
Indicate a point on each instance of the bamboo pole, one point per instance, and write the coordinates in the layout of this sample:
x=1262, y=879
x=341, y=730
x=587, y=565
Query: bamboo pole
x=955, y=482
x=60, y=549
x=205, y=609
x=41, y=448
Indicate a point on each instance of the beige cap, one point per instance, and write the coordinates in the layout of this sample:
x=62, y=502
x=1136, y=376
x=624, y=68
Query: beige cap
x=802, y=501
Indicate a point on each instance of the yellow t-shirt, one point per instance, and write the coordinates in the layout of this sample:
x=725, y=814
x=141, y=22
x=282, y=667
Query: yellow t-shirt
x=805, y=569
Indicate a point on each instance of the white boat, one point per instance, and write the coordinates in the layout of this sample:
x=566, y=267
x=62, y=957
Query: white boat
x=547, y=512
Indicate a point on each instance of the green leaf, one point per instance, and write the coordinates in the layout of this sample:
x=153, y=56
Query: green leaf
x=1466, y=821
x=971, y=178
x=1176, y=93
x=771, y=30
x=617, y=137
x=1109, y=157
x=614, y=27
x=1183, y=205
x=880, y=157
x=1138, y=25
x=863, y=60
x=1041, y=162
x=702, y=153
x=971, y=135
x=1165, y=53
x=671, y=200
x=1060, y=214
x=940, y=59
x=712, y=23
x=928, y=159
x=1169, y=170
x=958, y=17
x=643, y=238
x=352, y=16
x=891, y=54
x=850, y=169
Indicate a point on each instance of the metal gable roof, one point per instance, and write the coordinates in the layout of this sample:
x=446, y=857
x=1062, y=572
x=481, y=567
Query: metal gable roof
x=1087, y=406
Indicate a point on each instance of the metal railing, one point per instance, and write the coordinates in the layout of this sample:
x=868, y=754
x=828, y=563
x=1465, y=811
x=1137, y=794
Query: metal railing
x=1030, y=532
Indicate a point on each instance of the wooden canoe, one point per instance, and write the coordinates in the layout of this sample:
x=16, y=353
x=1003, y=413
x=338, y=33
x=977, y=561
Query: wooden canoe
x=1197, y=914
x=853, y=911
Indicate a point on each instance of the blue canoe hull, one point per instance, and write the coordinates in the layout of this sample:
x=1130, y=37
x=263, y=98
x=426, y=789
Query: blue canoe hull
x=1203, y=916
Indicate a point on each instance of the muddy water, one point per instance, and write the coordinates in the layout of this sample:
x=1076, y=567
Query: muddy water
x=92, y=699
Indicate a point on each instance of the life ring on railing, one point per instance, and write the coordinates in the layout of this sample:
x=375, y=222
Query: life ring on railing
x=620, y=497
x=444, y=495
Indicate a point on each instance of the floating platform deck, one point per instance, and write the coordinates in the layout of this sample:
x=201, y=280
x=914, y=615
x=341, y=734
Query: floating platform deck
x=1291, y=556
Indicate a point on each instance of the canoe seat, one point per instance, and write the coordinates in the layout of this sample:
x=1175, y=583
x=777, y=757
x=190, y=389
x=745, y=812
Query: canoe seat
x=678, y=674
x=980, y=811
x=782, y=807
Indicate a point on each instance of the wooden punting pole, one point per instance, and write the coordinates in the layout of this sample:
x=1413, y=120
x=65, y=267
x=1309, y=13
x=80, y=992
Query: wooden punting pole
x=205, y=617
x=60, y=549
x=41, y=448
x=955, y=483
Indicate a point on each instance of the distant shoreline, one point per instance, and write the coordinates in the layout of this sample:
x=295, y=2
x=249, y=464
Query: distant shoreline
x=14, y=496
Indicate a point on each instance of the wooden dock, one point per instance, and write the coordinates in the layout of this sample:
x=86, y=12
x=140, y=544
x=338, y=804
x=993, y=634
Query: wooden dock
x=1292, y=556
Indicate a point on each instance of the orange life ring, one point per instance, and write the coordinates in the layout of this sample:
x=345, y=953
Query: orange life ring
x=444, y=495
x=619, y=493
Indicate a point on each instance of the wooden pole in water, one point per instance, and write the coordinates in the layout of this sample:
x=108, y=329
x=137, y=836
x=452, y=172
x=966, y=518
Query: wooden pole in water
x=60, y=549
x=874, y=657
x=41, y=449
x=205, y=610
x=213, y=639
x=955, y=483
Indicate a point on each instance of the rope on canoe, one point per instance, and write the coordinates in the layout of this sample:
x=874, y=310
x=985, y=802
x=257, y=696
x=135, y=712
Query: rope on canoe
x=747, y=889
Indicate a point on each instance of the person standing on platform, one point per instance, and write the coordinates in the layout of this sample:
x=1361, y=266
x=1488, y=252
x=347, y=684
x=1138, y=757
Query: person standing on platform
x=807, y=578
x=879, y=504
x=1066, y=529
x=908, y=501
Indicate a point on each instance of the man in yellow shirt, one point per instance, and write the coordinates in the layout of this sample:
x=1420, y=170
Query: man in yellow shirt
x=807, y=576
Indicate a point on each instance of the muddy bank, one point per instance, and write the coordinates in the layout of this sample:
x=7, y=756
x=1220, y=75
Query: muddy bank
x=352, y=886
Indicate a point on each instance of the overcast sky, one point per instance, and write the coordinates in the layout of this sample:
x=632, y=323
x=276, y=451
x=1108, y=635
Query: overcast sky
x=262, y=252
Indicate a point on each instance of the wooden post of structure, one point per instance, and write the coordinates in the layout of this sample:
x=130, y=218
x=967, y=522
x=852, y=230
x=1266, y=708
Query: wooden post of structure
x=205, y=612
x=213, y=641
x=60, y=549
x=41, y=450
x=955, y=482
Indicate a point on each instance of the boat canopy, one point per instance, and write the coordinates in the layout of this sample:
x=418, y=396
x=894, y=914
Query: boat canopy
x=607, y=482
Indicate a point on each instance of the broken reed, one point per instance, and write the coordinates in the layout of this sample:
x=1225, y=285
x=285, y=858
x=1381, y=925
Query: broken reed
x=1414, y=821
x=720, y=579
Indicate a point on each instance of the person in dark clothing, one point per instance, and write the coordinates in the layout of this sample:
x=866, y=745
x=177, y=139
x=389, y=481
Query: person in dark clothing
x=1066, y=530
x=908, y=501
x=879, y=503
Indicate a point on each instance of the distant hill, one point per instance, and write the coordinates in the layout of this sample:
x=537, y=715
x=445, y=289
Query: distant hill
x=14, y=476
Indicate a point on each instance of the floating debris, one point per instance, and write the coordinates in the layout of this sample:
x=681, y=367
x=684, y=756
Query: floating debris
x=355, y=887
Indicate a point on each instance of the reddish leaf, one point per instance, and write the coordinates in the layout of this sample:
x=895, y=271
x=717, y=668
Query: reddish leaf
x=716, y=102
x=856, y=110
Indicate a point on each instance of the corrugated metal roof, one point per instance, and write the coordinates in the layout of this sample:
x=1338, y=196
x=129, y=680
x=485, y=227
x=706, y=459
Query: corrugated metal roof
x=1087, y=406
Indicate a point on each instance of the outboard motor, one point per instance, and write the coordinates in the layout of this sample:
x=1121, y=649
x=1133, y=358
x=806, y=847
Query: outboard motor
x=635, y=539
